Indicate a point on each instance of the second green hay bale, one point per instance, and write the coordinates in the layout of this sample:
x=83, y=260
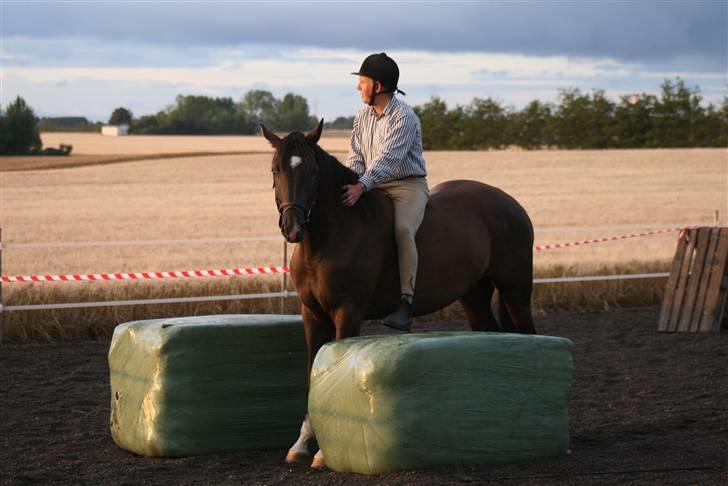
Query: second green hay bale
x=384, y=404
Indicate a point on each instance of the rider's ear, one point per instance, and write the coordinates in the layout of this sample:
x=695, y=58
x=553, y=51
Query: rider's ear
x=313, y=136
x=274, y=139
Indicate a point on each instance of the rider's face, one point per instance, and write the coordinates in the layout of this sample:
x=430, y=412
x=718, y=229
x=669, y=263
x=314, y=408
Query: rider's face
x=366, y=87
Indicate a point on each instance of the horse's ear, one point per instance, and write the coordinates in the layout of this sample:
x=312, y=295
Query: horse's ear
x=274, y=139
x=313, y=136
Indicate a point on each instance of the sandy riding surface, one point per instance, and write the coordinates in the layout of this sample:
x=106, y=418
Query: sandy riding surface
x=646, y=408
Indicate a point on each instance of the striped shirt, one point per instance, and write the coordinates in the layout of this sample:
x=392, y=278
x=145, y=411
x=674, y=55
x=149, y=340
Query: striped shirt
x=388, y=147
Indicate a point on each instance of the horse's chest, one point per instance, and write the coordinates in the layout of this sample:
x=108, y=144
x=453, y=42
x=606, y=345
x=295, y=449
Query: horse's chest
x=317, y=284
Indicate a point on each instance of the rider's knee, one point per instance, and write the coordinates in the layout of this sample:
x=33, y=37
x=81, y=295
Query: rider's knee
x=403, y=233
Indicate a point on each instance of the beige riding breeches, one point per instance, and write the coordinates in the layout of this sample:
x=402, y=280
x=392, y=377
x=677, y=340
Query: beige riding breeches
x=409, y=197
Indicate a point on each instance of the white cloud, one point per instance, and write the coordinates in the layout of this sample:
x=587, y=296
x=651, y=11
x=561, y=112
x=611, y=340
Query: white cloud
x=683, y=74
x=312, y=67
x=91, y=81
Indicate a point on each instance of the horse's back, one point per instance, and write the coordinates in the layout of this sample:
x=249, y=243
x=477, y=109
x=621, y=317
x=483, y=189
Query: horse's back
x=472, y=207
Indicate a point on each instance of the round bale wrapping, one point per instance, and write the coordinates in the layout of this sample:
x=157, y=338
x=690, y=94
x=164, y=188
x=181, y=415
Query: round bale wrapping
x=207, y=384
x=383, y=404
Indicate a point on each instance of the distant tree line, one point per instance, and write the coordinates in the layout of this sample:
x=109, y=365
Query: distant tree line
x=197, y=115
x=675, y=118
x=340, y=123
x=68, y=124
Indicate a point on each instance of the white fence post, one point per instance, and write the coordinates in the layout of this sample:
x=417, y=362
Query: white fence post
x=284, y=290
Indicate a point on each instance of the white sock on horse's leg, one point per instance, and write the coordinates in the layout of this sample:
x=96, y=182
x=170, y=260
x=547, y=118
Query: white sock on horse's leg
x=299, y=451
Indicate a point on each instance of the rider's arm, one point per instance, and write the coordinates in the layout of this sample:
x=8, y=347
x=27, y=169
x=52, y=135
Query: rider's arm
x=387, y=164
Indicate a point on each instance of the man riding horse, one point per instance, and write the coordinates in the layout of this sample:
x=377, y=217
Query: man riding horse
x=386, y=153
x=473, y=238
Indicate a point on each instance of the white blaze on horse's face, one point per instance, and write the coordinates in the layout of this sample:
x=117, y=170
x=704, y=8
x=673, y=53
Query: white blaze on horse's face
x=295, y=161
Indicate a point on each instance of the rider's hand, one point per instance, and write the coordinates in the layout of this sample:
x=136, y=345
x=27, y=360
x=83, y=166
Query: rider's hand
x=352, y=193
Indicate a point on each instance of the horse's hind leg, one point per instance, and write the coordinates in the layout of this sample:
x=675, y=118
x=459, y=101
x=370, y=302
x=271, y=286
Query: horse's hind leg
x=504, y=316
x=477, y=307
x=518, y=304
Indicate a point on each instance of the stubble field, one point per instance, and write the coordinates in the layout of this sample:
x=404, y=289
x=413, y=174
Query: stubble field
x=570, y=196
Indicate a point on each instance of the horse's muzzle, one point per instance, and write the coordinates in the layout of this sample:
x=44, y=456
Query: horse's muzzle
x=293, y=218
x=294, y=235
x=292, y=227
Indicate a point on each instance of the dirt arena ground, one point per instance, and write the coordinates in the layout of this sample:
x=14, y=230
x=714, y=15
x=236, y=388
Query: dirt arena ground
x=647, y=408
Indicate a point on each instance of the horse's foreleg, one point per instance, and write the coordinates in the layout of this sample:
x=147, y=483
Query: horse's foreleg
x=300, y=451
x=347, y=324
x=319, y=330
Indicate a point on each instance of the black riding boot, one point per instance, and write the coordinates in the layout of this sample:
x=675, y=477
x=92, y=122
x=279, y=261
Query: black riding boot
x=401, y=319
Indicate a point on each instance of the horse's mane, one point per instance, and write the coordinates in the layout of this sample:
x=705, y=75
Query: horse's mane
x=333, y=175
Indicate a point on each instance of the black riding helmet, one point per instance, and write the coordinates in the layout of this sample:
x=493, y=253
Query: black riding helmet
x=382, y=68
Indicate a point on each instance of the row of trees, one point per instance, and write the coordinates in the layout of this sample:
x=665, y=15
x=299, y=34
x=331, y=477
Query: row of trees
x=68, y=124
x=193, y=115
x=675, y=118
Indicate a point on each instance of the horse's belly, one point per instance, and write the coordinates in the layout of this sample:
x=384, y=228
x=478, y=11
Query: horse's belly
x=468, y=227
x=449, y=264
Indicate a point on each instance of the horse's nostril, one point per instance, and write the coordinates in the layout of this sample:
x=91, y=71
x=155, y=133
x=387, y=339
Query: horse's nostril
x=294, y=236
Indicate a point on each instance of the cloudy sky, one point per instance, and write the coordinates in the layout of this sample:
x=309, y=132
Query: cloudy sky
x=84, y=58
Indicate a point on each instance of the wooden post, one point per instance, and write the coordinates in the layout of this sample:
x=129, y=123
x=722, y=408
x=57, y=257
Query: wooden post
x=696, y=293
x=285, y=278
x=1, y=286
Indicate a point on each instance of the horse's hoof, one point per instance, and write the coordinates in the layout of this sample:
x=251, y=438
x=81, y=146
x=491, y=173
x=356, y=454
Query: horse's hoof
x=297, y=457
x=318, y=462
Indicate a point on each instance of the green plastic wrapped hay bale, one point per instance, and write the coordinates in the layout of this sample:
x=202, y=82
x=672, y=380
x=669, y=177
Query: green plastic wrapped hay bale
x=199, y=385
x=390, y=403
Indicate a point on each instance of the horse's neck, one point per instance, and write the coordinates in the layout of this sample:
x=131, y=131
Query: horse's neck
x=329, y=216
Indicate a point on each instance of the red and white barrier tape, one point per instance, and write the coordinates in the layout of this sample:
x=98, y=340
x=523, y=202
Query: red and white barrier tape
x=609, y=238
x=144, y=275
x=269, y=270
x=286, y=294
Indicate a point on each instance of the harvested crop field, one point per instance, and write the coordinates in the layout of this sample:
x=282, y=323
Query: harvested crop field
x=214, y=202
x=97, y=144
x=569, y=195
x=646, y=408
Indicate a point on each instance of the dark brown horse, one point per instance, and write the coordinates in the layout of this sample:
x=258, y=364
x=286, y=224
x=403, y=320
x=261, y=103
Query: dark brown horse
x=474, y=238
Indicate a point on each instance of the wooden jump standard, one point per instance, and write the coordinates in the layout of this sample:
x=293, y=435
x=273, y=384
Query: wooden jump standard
x=695, y=295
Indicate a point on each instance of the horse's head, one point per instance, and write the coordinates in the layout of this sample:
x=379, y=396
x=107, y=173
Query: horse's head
x=295, y=179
